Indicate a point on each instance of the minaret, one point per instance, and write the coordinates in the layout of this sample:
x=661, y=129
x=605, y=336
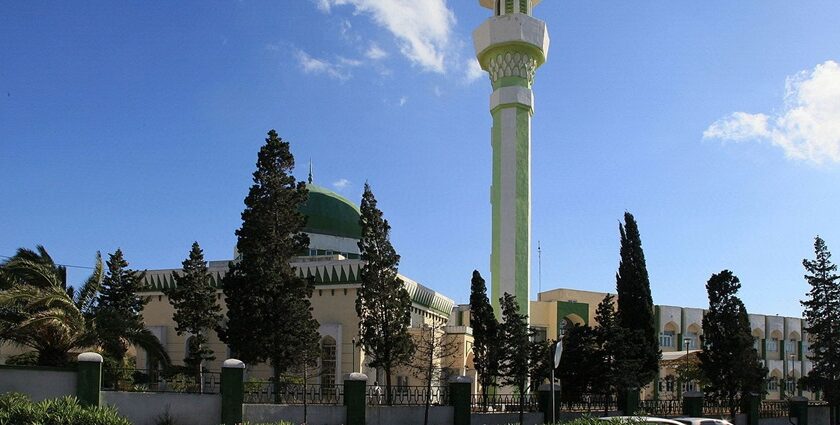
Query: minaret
x=510, y=46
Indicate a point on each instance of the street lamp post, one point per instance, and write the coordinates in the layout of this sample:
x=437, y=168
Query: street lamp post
x=792, y=374
x=687, y=345
x=353, y=354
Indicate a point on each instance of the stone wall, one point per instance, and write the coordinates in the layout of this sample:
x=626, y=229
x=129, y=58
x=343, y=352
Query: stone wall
x=146, y=408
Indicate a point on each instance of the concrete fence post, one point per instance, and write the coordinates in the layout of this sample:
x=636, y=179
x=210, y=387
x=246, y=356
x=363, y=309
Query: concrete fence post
x=545, y=402
x=751, y=406
x=355, y=397
x=628, y=401
x=89, y=379
x=799, y=409
x=693, y=404
x=233, y=391
x=460, y=398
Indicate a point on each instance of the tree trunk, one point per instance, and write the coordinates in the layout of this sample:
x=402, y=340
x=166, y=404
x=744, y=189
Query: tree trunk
x=388, y=394
x=521, y=407
x=305, y=395
x=275, y=372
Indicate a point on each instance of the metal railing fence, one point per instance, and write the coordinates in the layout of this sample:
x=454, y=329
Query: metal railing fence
x=151, y=380
x=265, y=392
x=504, y=403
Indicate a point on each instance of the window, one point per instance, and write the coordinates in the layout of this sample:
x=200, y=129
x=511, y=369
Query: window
x=772, y=345
x=328, y=363
x=772, y=384
x=790, y=386
x=757, y=344
x=540, y=334
x=689, y=339
x=666, y=339
x=790, y=346
x=402, y=385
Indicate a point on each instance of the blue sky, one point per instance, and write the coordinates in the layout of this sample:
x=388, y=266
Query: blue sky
x=136, y=124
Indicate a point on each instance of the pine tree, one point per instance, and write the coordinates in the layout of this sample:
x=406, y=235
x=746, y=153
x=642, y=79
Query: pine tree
x=382, y=303
x=117, y=315
x=822, y=317
x=580, y=364
x=609, y=338
x=485, y=328
x=196, y=310
x=515, y=338
x=728, y=359
x=639, y=361
x=269, y=311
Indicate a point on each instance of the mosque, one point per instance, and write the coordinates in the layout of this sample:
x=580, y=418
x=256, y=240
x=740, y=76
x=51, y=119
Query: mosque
x=333, y=261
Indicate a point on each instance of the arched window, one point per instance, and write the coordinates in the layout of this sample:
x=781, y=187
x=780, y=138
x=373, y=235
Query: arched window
x=328, y=364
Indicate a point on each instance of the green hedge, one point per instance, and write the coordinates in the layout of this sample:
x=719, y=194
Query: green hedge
x=18, y=409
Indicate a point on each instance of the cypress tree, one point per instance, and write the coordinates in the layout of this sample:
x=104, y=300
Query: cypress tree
x=485, y=328
x=515, y=339
x=822, y=317
x=117, y=313
x=728, y=358
x=638, y=362
x=269, y=312
x=382, y=302
x=196, y=310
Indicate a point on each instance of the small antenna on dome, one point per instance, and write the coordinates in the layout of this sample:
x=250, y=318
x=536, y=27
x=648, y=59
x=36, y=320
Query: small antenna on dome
x=310, y=172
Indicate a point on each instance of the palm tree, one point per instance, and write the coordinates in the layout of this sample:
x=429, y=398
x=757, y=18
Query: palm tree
x=40, y=311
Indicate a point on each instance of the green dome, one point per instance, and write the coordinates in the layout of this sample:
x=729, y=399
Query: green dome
x=329, y=213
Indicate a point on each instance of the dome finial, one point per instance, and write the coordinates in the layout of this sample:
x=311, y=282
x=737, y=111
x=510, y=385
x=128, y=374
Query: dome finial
x=310, y=172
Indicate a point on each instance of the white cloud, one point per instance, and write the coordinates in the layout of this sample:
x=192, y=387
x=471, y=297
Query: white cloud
x=403, y=100
x=341, y=184
x=474, y=70
x=312, y=65
x=375, y=52
x=422, y=28
x=323, y=5
x=808, y=129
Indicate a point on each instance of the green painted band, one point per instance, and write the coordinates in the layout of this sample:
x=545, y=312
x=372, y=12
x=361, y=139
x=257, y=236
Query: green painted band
x=512, y=47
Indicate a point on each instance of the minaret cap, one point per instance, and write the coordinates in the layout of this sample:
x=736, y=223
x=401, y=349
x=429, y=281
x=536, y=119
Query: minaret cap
x=491, y=4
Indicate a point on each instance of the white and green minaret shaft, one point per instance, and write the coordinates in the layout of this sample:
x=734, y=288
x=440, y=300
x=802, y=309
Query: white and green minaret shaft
x=510, y=46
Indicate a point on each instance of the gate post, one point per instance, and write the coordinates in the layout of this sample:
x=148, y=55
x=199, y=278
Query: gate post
x=751, y=405
x=545, y=402
x=799, y=409
x=354, y=397
x=460, y=395
x=89, y=379
x=693, y=404
x=233, y=391
x=628, y=401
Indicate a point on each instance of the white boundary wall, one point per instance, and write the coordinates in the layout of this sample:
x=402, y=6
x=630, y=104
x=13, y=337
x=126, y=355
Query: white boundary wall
x=38, y=384
x=532, y=418
x=186, y=409
x=316, y=414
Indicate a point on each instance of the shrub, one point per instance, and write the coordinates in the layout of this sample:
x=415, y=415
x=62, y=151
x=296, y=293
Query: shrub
x=17, y=409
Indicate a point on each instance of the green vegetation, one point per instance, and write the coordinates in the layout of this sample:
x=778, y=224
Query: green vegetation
x=269, y=311
x=382, y=304
x=485, y=326
x=196, y=310
x=822, y=315
x=515, y=339
x=638, y=362
x=40, y=311
x=17, y=409
x=728, y=361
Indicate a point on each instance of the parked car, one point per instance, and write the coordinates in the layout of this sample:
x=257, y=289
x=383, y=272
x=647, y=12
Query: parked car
x=702, y=421
x=641, y=420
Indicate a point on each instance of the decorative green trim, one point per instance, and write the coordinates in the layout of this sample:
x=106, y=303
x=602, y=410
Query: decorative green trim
x=529, y=51
x=523, y=6
x=565, y=308
x=496, y=204
x=510, y=82
x=508, y=6
x=523, y=207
